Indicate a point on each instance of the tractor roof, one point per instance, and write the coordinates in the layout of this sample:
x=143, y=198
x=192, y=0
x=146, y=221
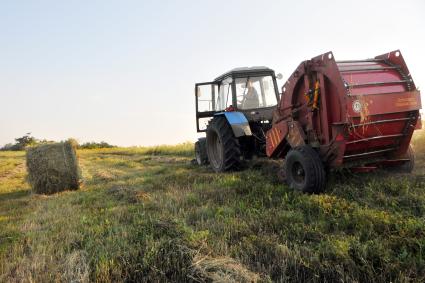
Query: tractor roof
x=244, y=71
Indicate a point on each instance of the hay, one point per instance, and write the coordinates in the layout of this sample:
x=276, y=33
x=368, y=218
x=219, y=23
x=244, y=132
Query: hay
x=53, y=168
x=76, y=267
x=128, y=195
x=221, y=269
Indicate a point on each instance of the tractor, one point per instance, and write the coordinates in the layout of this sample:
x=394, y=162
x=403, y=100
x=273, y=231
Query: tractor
x=235, y=111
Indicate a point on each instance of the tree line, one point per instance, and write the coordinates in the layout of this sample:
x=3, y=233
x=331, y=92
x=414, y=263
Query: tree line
x=28, y=140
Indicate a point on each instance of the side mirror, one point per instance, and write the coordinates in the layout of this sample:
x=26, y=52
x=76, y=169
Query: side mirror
x=279, y=76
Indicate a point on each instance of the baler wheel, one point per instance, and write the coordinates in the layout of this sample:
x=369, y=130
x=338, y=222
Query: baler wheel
x=201, y=151
x=408, y=166
x=304, y=170
x=222, y=146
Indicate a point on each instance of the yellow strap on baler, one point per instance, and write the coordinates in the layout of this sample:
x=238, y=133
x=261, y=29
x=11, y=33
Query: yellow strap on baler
x=316, y=94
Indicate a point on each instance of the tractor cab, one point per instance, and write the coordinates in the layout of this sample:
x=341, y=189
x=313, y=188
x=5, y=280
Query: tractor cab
x=238, y=105
x=252, y=91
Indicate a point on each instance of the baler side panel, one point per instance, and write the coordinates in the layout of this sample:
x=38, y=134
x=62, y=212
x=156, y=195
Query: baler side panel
x=376, y=104
x=383, y=106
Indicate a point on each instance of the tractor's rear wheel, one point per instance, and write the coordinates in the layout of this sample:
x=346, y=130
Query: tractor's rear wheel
x=201, y=151
x=222, y=146
x=304, y=170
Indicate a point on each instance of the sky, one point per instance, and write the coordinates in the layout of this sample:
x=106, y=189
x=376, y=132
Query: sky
x=124, y=71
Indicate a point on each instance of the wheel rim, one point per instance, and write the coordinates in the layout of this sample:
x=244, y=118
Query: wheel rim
x=298, y=173
x=215, y=150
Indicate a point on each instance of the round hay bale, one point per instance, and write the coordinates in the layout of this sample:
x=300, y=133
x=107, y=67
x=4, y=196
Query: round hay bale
x=53, y=168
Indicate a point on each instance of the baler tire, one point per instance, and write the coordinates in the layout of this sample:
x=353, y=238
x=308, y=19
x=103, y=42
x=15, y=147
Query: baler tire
x=201, y=152
x=409, y=165
x=314, y=178
x=223, y=147
x=320, y=168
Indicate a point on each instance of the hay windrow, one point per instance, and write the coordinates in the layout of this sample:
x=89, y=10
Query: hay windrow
x=53, y=168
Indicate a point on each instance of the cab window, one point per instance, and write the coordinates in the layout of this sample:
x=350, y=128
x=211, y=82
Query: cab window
x=255, y=92
x=206, y=95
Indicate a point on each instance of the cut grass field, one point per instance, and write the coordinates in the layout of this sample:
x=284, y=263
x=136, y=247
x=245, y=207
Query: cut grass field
x=147, y=214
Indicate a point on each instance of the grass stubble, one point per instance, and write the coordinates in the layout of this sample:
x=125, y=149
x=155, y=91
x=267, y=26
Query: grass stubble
x=149, y=215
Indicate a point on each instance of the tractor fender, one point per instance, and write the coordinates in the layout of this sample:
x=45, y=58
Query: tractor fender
x=238, y=122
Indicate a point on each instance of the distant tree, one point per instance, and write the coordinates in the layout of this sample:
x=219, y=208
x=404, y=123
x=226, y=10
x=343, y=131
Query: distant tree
x=25, y=141
x=21, y=143
x=8, y=146
x=28, y=140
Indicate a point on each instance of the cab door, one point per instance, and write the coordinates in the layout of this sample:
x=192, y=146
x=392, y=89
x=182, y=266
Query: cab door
x=206, y=98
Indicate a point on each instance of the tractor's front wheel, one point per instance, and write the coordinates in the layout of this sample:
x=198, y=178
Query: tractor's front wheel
x=222, y=146
x=304, y=170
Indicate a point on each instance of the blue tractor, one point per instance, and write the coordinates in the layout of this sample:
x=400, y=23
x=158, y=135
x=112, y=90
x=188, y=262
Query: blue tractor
x=235, y=111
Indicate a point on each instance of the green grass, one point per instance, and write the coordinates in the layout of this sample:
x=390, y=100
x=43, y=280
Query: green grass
x=147, y=214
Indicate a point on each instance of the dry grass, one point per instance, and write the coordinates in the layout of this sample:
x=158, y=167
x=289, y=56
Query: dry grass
x=76, y=267
x=144, y=216
x=418, y=142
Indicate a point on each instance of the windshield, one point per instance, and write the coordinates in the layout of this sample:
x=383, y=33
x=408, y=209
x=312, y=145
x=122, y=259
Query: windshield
x=255, y=92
